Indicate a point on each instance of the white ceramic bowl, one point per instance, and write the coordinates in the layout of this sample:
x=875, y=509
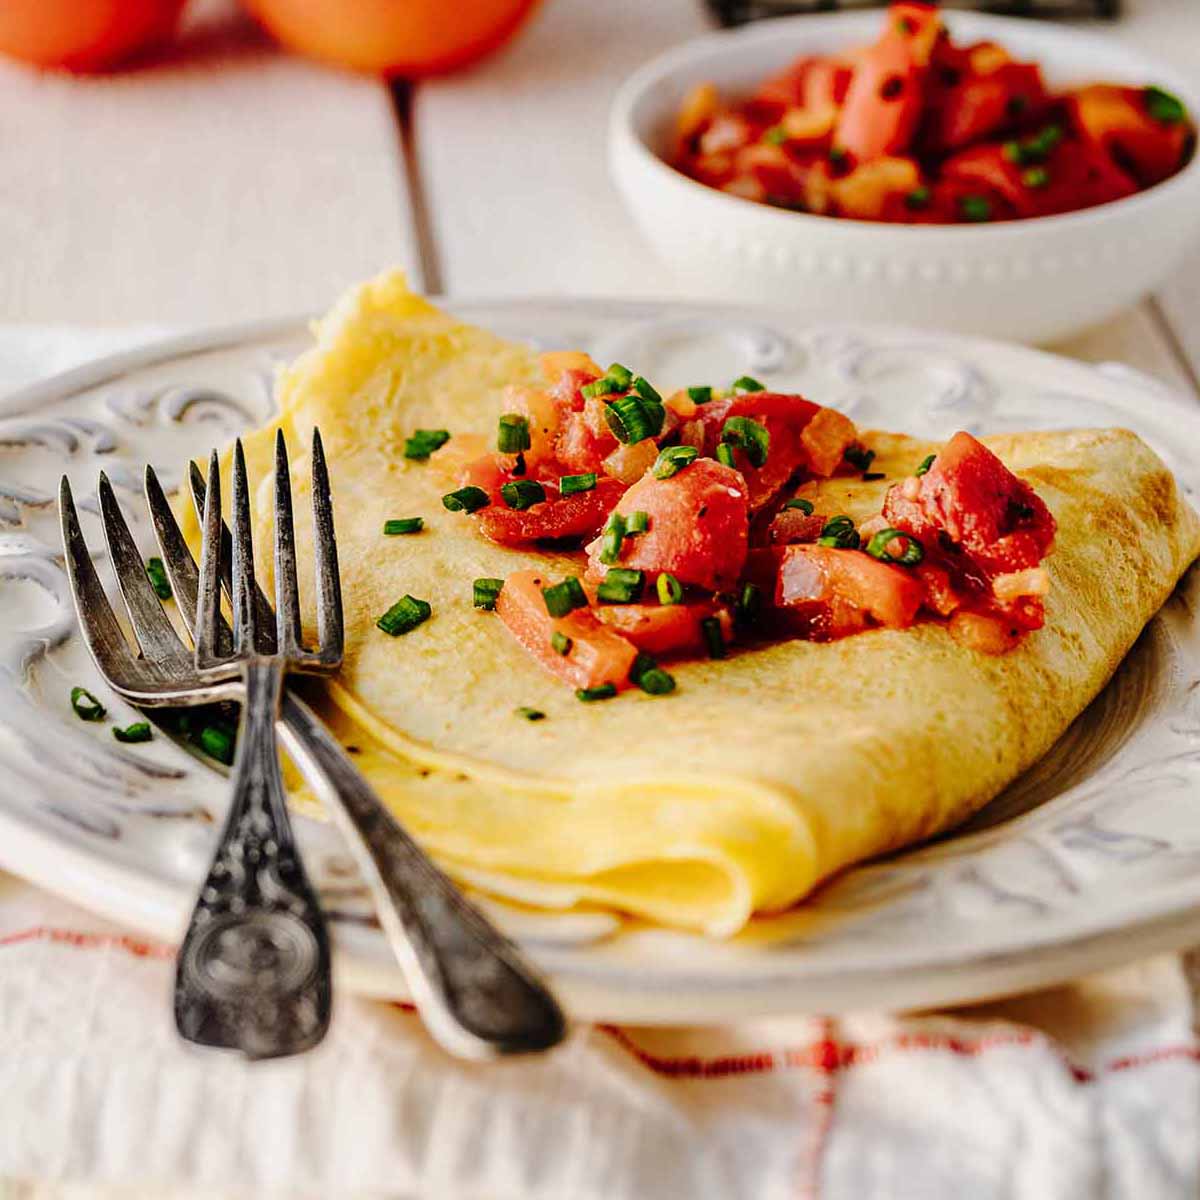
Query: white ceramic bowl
x=1032, y=280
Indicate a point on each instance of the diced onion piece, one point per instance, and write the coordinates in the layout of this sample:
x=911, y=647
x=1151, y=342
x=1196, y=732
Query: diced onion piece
x=1034, y=581
x=629, y=463
x=809, y=124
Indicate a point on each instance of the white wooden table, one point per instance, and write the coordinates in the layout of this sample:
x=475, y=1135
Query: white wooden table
x=234, y=181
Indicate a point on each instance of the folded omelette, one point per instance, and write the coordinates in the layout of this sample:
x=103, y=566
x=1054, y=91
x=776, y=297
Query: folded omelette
x=764, y=772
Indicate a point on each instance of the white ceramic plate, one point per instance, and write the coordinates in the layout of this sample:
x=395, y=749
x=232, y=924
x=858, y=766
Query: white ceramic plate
x=1092, y=858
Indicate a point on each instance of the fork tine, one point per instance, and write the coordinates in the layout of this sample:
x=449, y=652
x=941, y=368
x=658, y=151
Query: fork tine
x=177, y=558
x=208, y=604
x=101, y=633
x=244, y=622
x=287, y=588
x=262, y=606
x=330, y=629
x=153, y=630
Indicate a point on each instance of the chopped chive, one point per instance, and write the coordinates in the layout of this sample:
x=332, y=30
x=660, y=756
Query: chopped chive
x=749, y=604
x=670, y=590
x=975, y=208
x=841, y=533
x=877, y=547
x=1035, y=177
x=748, y=436
x=725, y=455
x=568, y=485
x=775, y=136
x=622, y=376
x=86, y=706
x=614, y=536
x=637, y=523
x=522, y=494
x=621, y=586
x=871, y=476
x=530, y=714
x=714, y=637
x=918, y=198
x=650, y=677
x=673, y=459
x=647, y=390
x=805, y=506
x=466, y=499
x=563, y=597
x=1013, y=151
x=403, y=525
x=157, y=574
x=700, y=395
x=217, y=741
x=600, y=387
x=926, y=463
x=513, y=434
x=404, y=616
x=860, y=457
x=604, y=691
x=1163, y=107
x=424, y=442
x=139, y=731
x=485, y=592
x=560, y=643
x=746, y=383
x=632, y=419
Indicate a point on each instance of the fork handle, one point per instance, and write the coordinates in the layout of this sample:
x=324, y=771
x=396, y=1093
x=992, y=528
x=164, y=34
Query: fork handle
x=253, y=973
x=477, y=996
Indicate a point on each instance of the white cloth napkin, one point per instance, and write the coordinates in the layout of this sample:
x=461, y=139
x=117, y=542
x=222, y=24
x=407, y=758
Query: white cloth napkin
x=1087, y=1090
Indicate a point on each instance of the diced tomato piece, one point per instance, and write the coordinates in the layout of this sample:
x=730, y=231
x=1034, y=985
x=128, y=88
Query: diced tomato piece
x=628, y=463
x=544, y=417
x=597, y=656
x=1117, y=120
x=977, y=106
x=698, y=527
x=972, y=499
x=988, y=635
x=585, y=441
x=784, y=418
x=665, y=628
x=1080, y=174
x=792, y=525
x=491, y=471
x=940, y=596
x=841, y=591
x=807, y=83
x=564, y=389
x=988, y=165
x=579, y=515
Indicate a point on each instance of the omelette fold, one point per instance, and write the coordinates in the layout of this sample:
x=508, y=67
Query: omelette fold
x=763, y=773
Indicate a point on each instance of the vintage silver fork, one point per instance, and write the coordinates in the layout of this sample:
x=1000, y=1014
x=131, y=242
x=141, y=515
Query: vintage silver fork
x=475, y=993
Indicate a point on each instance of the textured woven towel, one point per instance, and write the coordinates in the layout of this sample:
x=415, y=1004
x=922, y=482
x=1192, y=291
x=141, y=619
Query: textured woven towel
x=1091, y=1090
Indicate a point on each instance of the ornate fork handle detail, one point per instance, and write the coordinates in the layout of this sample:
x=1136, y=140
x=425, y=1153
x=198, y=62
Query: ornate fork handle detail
x=470, y=985
x=254, y=969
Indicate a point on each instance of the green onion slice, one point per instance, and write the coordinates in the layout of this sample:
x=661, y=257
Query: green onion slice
x=560, y=643
x=841, y=533
x=563, y=597
x=629, y=419
x=805, y=506
x=568, y=485
x=650, y=677
x=404, y=616
x=601, y=387
x=485, y=592
x=746, y=383
x=926, y=463
x=604, y=691
x=975, y=208
x=1164, y=107
x=139, y=731
x=157, y=574
x=725, y=455
x=918, y=198
x=748, y=436
x=700, y=395
x=466, y=499
x=637, y=523
x=522, y=494
x=621, y=375
x=86, y=706
x=513, y=434
x=714, y=637
x=749, y=604
x=403, y=525
x=1035, y=177
x=614, y=536
x=646, y=390
x=673, y=459
x=530, y=714
x=621, y=586
x=424, y=442
x=670, y=590
x=877, y=547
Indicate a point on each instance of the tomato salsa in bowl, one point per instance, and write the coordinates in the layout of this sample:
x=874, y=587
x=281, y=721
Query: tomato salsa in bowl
x=1026, y=181
x=918, y=128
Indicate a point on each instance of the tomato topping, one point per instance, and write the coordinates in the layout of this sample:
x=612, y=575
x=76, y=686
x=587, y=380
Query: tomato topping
x=791, y=525
x=665, y=628
x=970, y=501
x=596, y=656
x=579, y=515
x=698, y=527
x=585, y=441
x=980, y=105
x=842, y=591
x=1121, y=122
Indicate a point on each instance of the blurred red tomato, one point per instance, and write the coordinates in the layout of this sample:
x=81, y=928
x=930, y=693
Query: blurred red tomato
x=83, y=35
x=393, y=37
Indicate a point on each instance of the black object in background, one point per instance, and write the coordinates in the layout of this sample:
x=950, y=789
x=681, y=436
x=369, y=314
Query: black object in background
x=740, y=12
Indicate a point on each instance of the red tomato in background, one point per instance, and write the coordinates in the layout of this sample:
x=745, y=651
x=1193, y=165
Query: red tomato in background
x=84, y=35
x=393, y=37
